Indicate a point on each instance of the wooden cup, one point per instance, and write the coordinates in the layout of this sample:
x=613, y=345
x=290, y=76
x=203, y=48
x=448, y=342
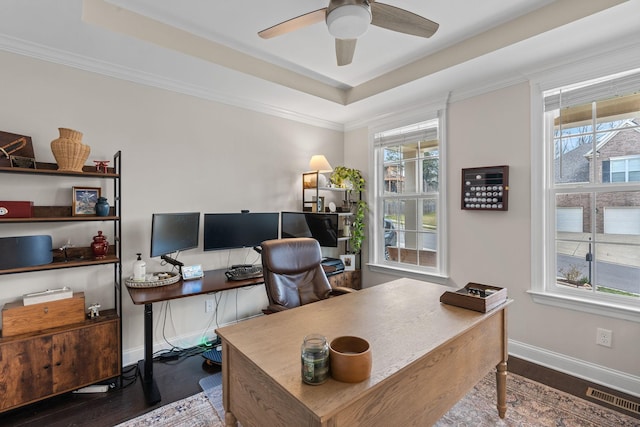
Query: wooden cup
x=350, y=359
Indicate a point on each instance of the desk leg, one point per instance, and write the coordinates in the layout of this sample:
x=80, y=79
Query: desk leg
x=501, y=382
x=145, y=367
x=230, y=420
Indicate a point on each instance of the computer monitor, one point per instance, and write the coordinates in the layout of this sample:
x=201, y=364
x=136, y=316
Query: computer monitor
x=173, y=232
x=239, y=230
x=321, y=226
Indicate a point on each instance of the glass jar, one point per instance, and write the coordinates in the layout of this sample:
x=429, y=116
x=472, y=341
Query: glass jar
x=315, y=359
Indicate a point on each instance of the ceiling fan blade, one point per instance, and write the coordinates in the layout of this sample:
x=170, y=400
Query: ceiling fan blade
x=400, y=20
x=345, y=49
x=294, y=23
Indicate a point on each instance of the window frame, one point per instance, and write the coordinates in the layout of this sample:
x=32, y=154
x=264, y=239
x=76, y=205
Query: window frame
x=377, y=263
x=544, y=288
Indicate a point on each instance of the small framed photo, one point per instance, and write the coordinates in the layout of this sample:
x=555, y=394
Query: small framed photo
x=84, y=200
x=22, y=162
x=349, y=262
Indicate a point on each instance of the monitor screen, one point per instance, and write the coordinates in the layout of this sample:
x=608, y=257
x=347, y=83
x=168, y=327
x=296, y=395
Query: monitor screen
x=238, y=230
x=172, y=232
x=321, y=226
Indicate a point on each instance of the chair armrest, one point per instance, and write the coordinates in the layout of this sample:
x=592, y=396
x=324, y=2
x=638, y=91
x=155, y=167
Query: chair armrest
x=273, y=308
x=341, y=290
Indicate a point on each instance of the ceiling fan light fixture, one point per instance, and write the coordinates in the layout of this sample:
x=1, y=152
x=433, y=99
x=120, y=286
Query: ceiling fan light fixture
x=349, y=21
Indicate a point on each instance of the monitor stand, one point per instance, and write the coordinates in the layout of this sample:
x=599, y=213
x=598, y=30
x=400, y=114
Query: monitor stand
x=172, y=261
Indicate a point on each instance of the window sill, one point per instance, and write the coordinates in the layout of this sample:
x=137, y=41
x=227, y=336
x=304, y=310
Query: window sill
x=413, y=274
x=617, y=311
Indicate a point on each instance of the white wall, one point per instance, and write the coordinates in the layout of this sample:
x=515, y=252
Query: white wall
x=494, y=247
x=180, y=153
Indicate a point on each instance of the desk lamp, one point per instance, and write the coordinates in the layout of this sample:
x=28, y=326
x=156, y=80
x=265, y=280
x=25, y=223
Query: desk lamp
x=319, y=163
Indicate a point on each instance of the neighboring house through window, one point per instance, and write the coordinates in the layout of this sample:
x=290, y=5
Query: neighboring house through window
x=409, y=207
x=590, y=198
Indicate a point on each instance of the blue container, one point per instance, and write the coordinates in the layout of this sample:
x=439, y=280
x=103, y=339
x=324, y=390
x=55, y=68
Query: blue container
x=102, y=207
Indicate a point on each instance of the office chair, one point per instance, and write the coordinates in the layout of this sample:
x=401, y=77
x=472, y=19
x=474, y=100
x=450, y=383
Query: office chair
x=293, y=274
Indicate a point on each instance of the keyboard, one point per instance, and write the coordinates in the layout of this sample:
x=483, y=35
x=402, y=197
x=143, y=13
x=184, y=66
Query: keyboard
x=244, y=272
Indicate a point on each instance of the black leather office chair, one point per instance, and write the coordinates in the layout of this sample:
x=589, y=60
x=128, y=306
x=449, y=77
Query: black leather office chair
x=293, y=274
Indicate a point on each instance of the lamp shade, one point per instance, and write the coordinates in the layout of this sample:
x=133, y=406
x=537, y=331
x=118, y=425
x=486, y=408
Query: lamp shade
x=319, y=163
x=349, y=21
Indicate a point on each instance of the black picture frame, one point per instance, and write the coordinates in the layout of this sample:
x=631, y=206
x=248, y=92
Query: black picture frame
x=485, y=188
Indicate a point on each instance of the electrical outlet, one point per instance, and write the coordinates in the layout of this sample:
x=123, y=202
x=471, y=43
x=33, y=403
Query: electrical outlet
x=604, y=337
x=208, y=306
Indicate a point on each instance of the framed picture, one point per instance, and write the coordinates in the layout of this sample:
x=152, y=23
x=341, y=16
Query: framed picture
x=349, y=262
x=84, y=200
x=485, y=188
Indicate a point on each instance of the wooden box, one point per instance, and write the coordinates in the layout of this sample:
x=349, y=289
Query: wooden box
x=20, y=319
x=476, y=296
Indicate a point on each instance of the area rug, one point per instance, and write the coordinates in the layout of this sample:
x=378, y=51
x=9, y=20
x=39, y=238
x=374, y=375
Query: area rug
x=528, y=404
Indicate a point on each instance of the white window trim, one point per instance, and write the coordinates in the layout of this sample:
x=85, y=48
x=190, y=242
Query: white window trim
x=435, y=110
x=540, y=174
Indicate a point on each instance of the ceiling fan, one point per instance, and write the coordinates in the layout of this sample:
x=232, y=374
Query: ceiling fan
x=349, y=19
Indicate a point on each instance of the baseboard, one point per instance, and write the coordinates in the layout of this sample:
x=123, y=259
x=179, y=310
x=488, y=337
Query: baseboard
x=617, y=380
x=131, y=356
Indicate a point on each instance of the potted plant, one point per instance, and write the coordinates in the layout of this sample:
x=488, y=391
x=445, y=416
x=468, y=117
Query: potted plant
x=352, y=180
x=348, y=178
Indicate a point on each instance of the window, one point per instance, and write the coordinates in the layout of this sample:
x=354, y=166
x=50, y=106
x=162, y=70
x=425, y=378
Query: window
x=591, y=193
x=623, y=170
x=409, y=198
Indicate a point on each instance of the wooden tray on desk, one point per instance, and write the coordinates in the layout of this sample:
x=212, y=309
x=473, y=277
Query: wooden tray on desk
x=468, y=298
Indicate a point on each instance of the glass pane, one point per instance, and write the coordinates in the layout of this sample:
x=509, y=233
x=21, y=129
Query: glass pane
x=618, y=216
x=392, y=209
x=392, y=153
x=393, y=178
x=572, y=267
x=617, y=269
x=429, y=215
x=390, y=232
x=571, y=163
x=410, y=150
x=427, y=257
x=618, y=158
x=430, y=170
x=573, y=216
x=395, y=153
x=410, y=177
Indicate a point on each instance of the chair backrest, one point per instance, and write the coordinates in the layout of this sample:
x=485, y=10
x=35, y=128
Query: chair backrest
x=293, y=275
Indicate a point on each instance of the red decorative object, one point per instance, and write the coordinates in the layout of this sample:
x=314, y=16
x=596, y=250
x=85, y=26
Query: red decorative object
x=100, y=246
x=16, y=209
x=102, y=165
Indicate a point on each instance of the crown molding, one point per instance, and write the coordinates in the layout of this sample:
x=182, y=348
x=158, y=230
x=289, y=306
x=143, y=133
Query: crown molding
x=61, y=57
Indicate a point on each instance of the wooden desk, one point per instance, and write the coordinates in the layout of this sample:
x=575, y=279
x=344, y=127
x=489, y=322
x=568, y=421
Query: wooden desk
x=213, y=281
x=426, y=356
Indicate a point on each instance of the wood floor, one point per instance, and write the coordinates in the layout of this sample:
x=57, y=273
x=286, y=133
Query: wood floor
x=175, y=379
x=179, y=379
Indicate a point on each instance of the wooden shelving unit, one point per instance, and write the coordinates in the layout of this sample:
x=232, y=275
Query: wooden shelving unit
x=311, y=194
x=98, y=340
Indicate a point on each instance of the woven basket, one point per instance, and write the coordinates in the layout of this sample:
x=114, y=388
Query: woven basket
x=69, y=151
